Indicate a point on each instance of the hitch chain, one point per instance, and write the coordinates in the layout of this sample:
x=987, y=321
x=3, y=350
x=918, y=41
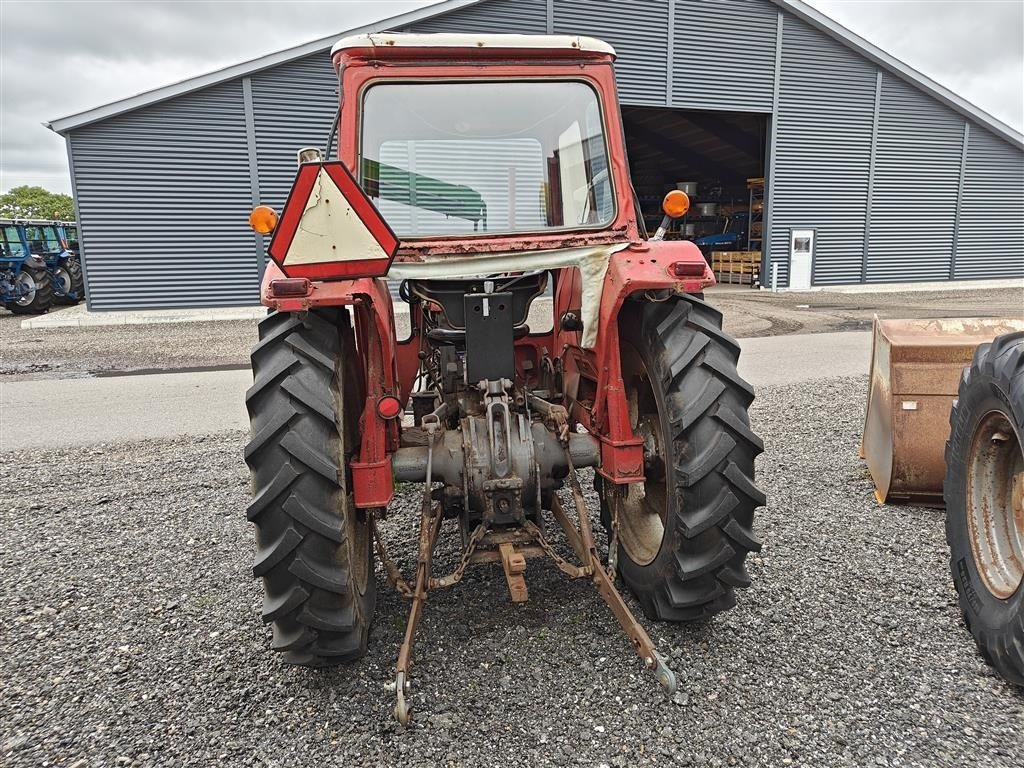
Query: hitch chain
x=456, y=576
x=570, y=570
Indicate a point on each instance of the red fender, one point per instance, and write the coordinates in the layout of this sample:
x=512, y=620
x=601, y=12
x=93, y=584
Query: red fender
x=641, y=267
x=378, y=362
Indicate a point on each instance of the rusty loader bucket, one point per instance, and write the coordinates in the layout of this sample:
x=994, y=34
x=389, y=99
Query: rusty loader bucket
x=915, y=372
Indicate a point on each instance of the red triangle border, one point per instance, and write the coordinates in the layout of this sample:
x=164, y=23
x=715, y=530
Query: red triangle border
x=364, y=209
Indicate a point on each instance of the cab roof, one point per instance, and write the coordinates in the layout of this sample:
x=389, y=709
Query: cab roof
x=384, y=42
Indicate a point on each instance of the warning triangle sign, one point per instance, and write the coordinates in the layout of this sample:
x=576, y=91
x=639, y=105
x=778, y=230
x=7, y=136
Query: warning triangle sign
x=329, y=228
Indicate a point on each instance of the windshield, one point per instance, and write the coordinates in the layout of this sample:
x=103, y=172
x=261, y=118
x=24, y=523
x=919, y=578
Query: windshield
x=463, y=158
x=43, y=240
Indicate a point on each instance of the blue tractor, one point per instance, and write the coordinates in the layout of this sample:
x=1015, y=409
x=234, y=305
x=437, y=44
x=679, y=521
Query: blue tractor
x=733, y=236
x=52, y=240
x=26, y=287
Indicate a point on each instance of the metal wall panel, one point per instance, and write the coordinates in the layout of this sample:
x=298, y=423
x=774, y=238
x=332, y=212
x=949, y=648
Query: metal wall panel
x=990, y=242
x=641, y=44
x=163, y=195
x=822, y=153
x=293, y=106
x=521, y=17
x=915, y=185
x=723, y=55
x=638, y=29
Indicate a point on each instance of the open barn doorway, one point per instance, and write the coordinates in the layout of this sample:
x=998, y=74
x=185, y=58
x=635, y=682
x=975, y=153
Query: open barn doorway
x=718, y=158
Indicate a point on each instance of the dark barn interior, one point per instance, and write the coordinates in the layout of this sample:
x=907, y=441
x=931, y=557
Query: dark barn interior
x=718, y=156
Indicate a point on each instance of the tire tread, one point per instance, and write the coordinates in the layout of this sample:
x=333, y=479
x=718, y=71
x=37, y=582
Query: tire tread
x=712, y=456
x=297, y=456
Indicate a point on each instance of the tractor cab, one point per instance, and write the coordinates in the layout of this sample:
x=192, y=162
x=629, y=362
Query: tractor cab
x=44, y=240
x=14, y=246
x=67, y=234
x=484, y=155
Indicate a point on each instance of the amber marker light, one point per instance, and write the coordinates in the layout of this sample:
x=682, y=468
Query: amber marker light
x=263, y=219
x=676, y=203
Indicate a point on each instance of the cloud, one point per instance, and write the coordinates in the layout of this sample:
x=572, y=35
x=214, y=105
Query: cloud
x=62, y=57
x=975, y=49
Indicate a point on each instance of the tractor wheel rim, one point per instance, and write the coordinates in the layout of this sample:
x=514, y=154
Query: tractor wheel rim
x=644, y=508
x=995, y=504
x=29, y=282
x=65, y=280
x=358, y=539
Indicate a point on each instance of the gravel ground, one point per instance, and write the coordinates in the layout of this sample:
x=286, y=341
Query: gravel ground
x=760, y=313
x=70, y=352
x=131, y=633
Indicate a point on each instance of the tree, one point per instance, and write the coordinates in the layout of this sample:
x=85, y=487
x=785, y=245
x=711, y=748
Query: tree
x=36, y=203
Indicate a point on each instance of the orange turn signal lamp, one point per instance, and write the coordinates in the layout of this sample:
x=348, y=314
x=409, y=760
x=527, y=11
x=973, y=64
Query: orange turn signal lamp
x=263, y=220
x=676, y=203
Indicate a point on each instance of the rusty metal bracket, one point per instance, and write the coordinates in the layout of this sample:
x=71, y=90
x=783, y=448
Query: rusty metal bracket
x=513, y=561
x=430, y=526
x=642, y=643
x=570, y=530
x=514, y=565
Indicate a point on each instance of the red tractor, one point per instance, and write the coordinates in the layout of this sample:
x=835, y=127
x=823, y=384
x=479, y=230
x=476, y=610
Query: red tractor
x=488, y=175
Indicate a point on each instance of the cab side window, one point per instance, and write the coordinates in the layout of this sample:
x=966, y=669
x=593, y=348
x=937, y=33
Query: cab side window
x=12, y=243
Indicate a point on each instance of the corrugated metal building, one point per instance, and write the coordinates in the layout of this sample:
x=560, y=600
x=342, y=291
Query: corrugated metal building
x=898, y=178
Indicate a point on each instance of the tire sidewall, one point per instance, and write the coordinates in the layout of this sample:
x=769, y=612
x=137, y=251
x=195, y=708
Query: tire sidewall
x=984, y=611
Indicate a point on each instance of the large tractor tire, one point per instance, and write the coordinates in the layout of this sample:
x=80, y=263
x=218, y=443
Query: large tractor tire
x=39, y=297
x=984, y=492
x=69, y=273
x=684, y=534
x=313, y=547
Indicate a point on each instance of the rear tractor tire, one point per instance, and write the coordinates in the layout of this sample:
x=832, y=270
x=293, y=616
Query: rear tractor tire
x=684, y=533
x=313, y=547
x=70, y=276
x=39, y=295
x=984, y=493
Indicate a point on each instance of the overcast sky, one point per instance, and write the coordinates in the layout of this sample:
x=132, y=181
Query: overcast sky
x=58, y=57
